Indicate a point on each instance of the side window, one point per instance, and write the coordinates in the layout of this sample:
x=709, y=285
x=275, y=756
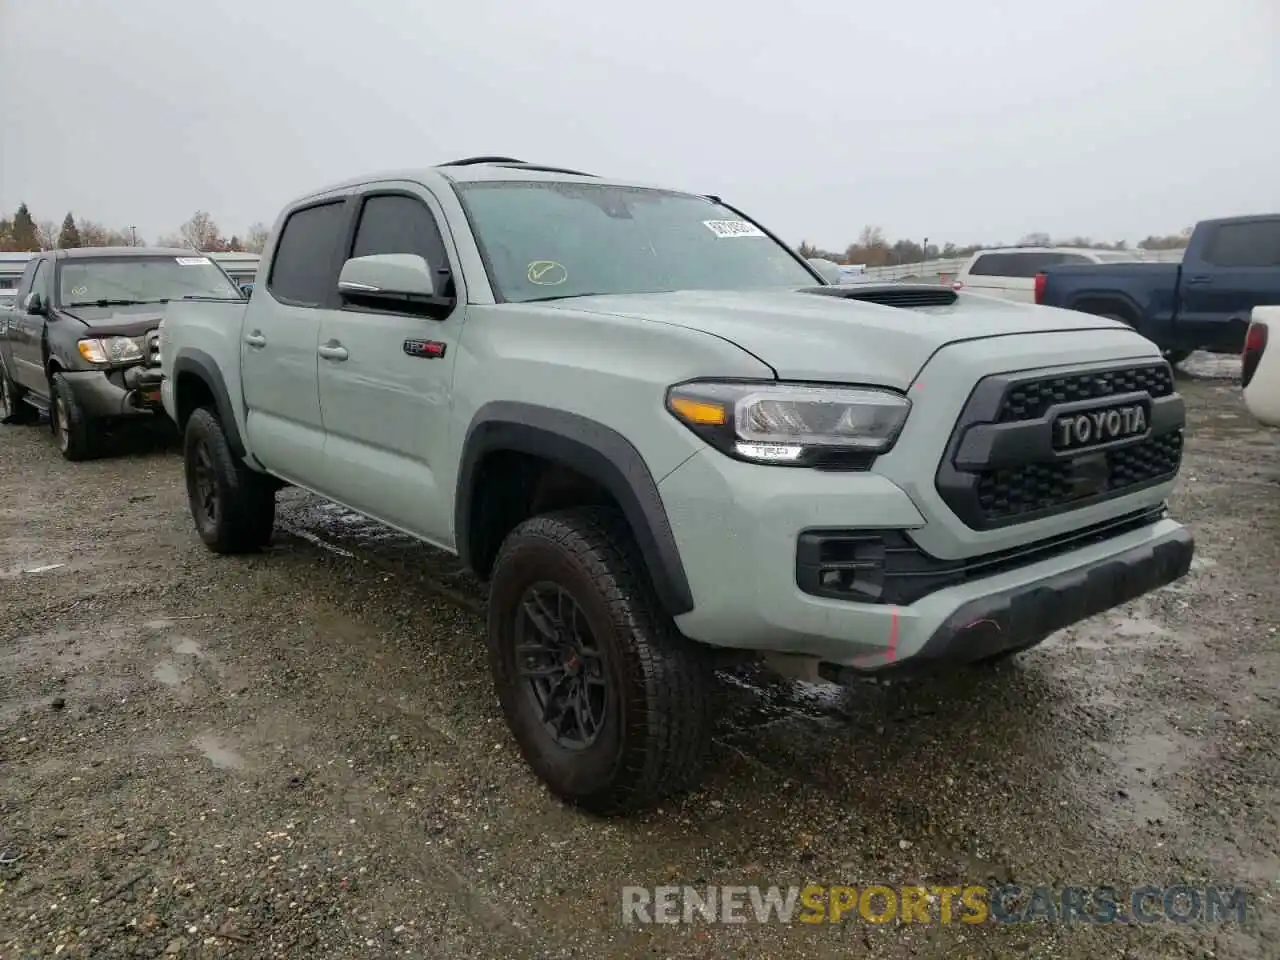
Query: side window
x=987, y=266
x=28, y=274
x=302, y=268
x=40, y=280
x=1255, y=244
x=392, y=223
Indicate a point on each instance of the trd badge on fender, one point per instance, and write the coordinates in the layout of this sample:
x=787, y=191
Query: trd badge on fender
x=1094, y=428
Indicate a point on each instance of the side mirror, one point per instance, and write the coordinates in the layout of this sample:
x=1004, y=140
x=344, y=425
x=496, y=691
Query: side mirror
x=829, y=270
x=388, y=274
x=403, y=282
x=35, y=305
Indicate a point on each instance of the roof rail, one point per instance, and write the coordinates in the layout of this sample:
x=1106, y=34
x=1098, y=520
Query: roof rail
x=469, y=161
x=512, y=162
x=546, y=169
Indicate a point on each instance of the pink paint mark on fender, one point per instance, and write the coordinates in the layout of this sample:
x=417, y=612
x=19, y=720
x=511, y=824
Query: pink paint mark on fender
x=892, y=653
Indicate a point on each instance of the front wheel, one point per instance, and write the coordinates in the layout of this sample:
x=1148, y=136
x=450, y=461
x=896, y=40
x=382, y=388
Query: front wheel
x=72, y=429
x=608, y=703
x=233, y=507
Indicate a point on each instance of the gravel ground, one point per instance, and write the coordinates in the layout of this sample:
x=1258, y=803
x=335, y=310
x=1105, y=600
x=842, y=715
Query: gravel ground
x=300, y=754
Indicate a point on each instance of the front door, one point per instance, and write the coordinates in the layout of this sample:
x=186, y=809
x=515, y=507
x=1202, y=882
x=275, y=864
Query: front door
x=27, y=339
x=386, y=379
x=279, y=342
x=1239, y=270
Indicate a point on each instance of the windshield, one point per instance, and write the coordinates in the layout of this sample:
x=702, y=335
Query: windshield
x=546, y=240
x=141, y=279
x=1116, y=256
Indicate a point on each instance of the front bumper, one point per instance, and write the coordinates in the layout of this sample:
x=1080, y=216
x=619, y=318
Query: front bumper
x=1023, y=615
x=129, y=392
x=737, y=528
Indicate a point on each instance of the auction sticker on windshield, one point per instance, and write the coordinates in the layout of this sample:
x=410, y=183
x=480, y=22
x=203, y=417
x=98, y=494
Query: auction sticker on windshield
x=192, y=261
x=733, y=228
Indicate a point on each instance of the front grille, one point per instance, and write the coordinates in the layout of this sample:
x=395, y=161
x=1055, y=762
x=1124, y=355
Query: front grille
x=1031, y=400
x=1001, y=467
x=1036, y=487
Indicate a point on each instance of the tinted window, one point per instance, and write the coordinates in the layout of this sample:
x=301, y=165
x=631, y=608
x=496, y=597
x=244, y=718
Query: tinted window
x=398, y=224
x=545, y=240
x=302, y=269
x=1021, y=264
x=1254, y=244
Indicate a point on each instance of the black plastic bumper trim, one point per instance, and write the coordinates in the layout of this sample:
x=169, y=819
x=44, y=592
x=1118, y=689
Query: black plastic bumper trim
x=1025, y=615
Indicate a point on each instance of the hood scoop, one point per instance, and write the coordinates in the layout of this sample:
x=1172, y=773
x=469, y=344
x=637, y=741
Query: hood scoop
x=903, y=295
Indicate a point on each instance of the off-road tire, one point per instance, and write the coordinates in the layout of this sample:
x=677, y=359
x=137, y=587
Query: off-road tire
x=233, y=507
x=73, y=430
x=656, y=734
x=13, y=409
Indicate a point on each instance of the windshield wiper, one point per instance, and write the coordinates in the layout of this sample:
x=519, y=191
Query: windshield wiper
x=112, y=303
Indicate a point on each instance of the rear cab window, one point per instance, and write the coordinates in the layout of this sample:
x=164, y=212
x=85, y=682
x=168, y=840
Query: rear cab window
x=1254, y=244
x=304, y=268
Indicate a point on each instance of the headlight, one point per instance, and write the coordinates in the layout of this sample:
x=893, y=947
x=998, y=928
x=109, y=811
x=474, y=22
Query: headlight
x=796, y=424
x=111, y=349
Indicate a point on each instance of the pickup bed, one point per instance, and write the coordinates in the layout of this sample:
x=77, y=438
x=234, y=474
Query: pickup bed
x=1231, y=265
x=664, y=439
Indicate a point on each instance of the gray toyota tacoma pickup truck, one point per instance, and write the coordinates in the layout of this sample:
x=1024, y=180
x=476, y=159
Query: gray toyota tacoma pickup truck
x=659, y=433
x=81, y=344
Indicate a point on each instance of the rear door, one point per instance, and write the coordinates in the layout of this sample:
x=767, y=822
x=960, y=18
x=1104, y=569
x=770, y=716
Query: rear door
x=280, y=339
x=1238, y=269
x=386, y=377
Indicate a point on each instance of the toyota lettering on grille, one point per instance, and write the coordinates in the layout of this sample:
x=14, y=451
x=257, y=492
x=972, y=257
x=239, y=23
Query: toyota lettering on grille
x=1096, y=428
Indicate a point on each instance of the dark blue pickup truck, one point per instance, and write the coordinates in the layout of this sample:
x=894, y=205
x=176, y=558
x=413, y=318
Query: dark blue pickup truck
x=1230, y=266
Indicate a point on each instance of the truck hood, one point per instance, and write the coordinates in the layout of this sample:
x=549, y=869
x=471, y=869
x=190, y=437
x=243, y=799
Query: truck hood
x=117, y=321
x=837, y=337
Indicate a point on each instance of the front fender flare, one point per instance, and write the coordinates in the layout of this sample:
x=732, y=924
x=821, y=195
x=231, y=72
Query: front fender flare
x=596, y=451
x=204, y=367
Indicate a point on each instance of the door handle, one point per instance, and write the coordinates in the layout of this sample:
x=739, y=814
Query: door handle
x=1200, y=281
x=333, y=350
x=255, y=339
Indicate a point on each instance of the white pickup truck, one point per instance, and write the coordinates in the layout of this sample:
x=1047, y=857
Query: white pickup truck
x=661, y=435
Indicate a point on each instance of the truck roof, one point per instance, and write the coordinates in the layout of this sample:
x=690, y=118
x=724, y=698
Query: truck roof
x=478, y=169
x=89, y=253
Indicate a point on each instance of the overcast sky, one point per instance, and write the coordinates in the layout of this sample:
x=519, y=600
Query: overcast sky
x=964, y=121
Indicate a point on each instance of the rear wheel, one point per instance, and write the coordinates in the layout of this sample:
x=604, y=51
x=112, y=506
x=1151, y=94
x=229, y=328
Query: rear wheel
x=608, y=703
x=233, y=507
x=12, y=407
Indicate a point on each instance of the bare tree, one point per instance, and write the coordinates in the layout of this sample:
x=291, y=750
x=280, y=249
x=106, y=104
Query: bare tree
x=47, y=235
x=256, y=240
